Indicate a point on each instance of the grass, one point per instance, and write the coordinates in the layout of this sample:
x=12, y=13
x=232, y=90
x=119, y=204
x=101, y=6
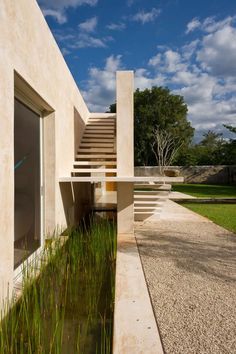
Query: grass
x=69, y=307
x=206, y=191
x=221, y=214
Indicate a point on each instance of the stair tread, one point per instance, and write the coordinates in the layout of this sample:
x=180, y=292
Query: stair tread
x=94, y=163
x=144, y=202
x=97, y=170
x=95, y=135
x=146, y=212
x=96, y=144
x=96, y=150
x=96, y=156
x=149, y=197
x=147, y=208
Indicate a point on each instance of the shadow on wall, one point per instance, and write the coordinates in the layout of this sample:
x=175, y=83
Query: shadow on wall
x=79, y=126
x=77, y=201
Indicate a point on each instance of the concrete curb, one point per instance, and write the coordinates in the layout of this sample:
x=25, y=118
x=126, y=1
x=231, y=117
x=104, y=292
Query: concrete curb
x=135, y=328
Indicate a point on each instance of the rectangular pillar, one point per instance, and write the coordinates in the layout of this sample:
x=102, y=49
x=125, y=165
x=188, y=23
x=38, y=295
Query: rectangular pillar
x=125, y=150
x=125, y=208
x=125, y=123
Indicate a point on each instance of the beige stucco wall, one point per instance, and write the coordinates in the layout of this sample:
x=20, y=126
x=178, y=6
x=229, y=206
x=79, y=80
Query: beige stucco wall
x=28, y=47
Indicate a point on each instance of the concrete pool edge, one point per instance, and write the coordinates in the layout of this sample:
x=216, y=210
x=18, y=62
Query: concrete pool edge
x=135, y=328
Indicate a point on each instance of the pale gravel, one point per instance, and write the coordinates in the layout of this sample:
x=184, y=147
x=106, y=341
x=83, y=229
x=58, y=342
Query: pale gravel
x=190, y=268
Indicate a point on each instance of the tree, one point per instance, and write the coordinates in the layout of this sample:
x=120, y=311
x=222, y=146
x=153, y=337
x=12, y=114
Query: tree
x=165, y=147
x=230, y=147
x=157, y=108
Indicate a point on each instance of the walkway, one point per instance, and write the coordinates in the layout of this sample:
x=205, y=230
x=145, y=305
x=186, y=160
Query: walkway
x=190, y=267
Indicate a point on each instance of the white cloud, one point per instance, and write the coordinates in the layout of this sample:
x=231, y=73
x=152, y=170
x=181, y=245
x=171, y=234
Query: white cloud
x=63, y=4
x=57, y=15
x=145, y=17
x=211, y=25
x=156, y=60
x=116, y=26
x=168, y=62
x=218, y=52
x=57, y=8
x=99, y=92
x=89, y=25
x=192, y=25
x=203, y=71
x=84, y=40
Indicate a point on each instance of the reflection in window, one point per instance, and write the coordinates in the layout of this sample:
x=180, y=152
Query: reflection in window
x=27, y=182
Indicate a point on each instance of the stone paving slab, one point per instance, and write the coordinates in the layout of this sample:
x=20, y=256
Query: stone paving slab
x=190, y=268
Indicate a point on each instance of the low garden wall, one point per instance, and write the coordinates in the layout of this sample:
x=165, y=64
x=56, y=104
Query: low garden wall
x=196, y=174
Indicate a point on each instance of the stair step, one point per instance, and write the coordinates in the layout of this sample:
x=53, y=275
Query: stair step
x=100, y=124
x=146, y=208
x=92, y=170
x=140, y=202
x=102, y=116
x=96, y=145
x=156, y=192
x=149, y=197
x=96, y=140
x=96, y=156
x=94, y=163
x=146, y=212
x=91, y=119
x=100, y=136
x=97, y=150
x=108, y=132
x=98, y=127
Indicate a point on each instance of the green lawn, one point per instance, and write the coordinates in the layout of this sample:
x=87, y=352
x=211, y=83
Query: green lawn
x=222, y=214
x=206, y=191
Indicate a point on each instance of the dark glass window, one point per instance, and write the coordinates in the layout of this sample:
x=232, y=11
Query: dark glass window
x=27, y=182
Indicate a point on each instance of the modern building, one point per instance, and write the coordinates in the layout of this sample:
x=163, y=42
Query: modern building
x=54, y=153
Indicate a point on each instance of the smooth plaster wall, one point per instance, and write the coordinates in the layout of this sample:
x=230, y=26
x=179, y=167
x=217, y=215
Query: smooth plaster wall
x=28, y=47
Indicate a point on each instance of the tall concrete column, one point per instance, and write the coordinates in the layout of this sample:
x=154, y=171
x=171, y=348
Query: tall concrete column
x=125, y=123
x=125, y=150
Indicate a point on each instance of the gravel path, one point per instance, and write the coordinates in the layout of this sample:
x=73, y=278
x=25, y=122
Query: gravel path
x=190, y=267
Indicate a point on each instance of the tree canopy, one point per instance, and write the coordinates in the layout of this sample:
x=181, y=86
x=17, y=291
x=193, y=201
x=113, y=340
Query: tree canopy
x=157, y=108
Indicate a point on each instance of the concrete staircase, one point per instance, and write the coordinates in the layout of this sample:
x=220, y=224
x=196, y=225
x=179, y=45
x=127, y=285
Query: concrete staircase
x=96, y=155
x=149, y=199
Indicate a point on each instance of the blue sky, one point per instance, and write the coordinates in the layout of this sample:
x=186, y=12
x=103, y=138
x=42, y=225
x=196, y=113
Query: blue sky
x=186, y=45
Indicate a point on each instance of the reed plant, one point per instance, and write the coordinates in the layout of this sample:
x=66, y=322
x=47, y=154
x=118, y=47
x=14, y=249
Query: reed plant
x=67, y=307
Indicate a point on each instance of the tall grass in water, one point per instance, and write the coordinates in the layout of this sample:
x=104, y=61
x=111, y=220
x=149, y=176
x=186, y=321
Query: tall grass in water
x=69, y=307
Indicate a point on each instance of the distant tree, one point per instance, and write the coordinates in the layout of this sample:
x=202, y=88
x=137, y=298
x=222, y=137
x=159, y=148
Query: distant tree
x=230, y=147
x=165, y=147
x=158, y=108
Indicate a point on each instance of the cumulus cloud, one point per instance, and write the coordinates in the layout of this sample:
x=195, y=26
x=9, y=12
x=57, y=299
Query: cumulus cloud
x=57, y=15
x=99, y=92
x=218, y=52
x=84, y=40
x=203, y=71
x=145, y=17
x=116, y=26
x=192, y=25
x=57, y=8
x=63, y=4
x=89, y=25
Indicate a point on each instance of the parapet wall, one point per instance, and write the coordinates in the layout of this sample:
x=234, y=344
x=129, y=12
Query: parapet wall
x=196, y=174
